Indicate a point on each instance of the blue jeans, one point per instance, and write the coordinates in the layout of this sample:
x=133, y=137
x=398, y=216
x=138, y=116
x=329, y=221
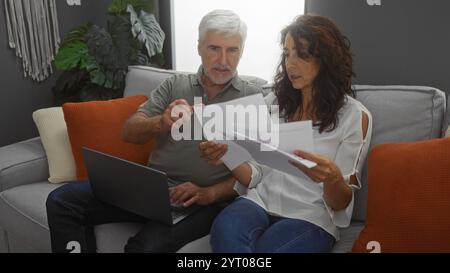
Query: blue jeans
x=245, y=227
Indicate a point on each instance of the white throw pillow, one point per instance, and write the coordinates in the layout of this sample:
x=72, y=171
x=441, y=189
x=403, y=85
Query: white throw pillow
x=447, y=134
x=53, y=131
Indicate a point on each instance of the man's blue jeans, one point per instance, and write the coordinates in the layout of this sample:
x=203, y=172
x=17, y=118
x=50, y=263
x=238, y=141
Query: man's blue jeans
x=73, y=211
x=245, y=227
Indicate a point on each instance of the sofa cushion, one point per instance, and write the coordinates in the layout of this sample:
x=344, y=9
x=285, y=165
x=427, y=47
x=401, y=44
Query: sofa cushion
x=409, y=204
x=112, y=238
x=347, y=238
x=400, y=114
x=23, y=214
x=98, y=125
x=24, y=217
x=53, y=131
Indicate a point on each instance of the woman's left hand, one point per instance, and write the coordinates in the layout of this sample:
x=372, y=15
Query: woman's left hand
x=325, y=171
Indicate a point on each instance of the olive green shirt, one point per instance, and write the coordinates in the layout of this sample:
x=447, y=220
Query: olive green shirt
x=181, y=159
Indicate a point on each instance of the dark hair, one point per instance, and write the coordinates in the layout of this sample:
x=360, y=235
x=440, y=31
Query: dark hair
x=332, y=51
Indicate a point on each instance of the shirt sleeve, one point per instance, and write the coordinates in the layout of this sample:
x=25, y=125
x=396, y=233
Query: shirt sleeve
x=159, y=99
x=257, y=174
x=350, y=158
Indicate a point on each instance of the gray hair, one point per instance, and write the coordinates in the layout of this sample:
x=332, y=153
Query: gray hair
x=225, y=21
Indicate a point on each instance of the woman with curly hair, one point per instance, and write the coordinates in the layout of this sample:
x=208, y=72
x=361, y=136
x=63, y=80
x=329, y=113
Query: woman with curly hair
x=278, y=212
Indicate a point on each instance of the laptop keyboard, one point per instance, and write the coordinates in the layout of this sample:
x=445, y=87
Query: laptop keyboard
x=177, y=214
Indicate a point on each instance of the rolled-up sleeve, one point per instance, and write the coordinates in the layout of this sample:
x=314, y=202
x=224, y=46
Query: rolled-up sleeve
x=256, y=177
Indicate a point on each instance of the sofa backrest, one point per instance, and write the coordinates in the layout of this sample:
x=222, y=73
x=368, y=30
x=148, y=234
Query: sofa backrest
x=400, y=114
x=143, y=79
x=446, y=125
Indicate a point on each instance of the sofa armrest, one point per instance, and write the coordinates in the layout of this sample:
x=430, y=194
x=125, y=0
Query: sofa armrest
x=23, y=163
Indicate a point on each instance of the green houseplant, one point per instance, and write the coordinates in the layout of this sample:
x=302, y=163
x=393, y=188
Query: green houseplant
x=94, y=60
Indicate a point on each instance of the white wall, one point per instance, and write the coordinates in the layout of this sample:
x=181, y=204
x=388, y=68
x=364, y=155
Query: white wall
x=264, y=18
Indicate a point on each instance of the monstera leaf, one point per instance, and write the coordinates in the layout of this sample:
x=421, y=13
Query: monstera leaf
x=77, y=34
x=147, y=30
x=74, y=51
x=72, y=55
x=120, y=6
x=95, y=60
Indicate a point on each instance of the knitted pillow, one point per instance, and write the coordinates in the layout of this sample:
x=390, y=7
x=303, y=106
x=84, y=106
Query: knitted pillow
x=409, y=198
x=98, y=125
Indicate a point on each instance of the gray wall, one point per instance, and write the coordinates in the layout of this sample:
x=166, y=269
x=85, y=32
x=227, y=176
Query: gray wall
x=399, y=42
x=20, y=96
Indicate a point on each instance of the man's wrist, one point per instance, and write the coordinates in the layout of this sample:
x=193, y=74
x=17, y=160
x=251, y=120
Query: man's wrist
x=160, y=128
x=212, y=194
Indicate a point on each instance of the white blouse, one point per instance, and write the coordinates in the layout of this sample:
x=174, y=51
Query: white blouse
x=289, y=196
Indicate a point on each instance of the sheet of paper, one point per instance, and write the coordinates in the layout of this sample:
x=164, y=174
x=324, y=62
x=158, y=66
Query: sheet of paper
x=240, y=151
x=256, y=102
x=291, y=136
x=296, y=136
x=236, y=154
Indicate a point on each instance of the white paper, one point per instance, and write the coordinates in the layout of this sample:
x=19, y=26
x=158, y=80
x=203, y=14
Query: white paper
x=240, y=151
x=292, y=136
x=255, y=101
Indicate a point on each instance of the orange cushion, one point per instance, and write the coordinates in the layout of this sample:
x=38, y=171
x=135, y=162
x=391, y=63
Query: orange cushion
x=98, y=125
x=409, y=198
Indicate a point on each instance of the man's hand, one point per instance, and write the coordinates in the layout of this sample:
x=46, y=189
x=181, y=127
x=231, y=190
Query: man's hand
x=212, y=152
x=140, y=128
x=176, y=110
x=188, y=193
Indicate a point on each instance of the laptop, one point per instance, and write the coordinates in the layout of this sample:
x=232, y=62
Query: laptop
x=133, y=187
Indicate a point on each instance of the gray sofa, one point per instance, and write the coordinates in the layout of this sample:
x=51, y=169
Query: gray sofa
x=400, y=113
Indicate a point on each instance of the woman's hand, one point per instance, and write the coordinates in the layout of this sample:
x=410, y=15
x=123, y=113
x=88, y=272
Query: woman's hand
x=325, y=171
x=212, y=152
x=336, y=192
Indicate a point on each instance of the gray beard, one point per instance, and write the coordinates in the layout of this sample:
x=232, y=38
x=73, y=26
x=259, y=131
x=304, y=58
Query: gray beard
x=220, y=81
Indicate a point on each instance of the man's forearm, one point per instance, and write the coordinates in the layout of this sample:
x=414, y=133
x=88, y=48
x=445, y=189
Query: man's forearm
x=223, y=190
x=140, y=128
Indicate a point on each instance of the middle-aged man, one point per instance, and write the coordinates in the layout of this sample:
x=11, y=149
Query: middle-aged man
x=73, y=210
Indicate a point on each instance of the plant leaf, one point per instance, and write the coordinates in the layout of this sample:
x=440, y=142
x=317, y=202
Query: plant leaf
x=120, y=6
x=68, y=85
x=93, y=91
x=147, y=30
x=70, y=56
x=77, y=34
x=113, y=51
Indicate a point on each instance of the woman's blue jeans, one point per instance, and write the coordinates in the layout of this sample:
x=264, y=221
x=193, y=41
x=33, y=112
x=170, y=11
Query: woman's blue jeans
x=245, y=227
